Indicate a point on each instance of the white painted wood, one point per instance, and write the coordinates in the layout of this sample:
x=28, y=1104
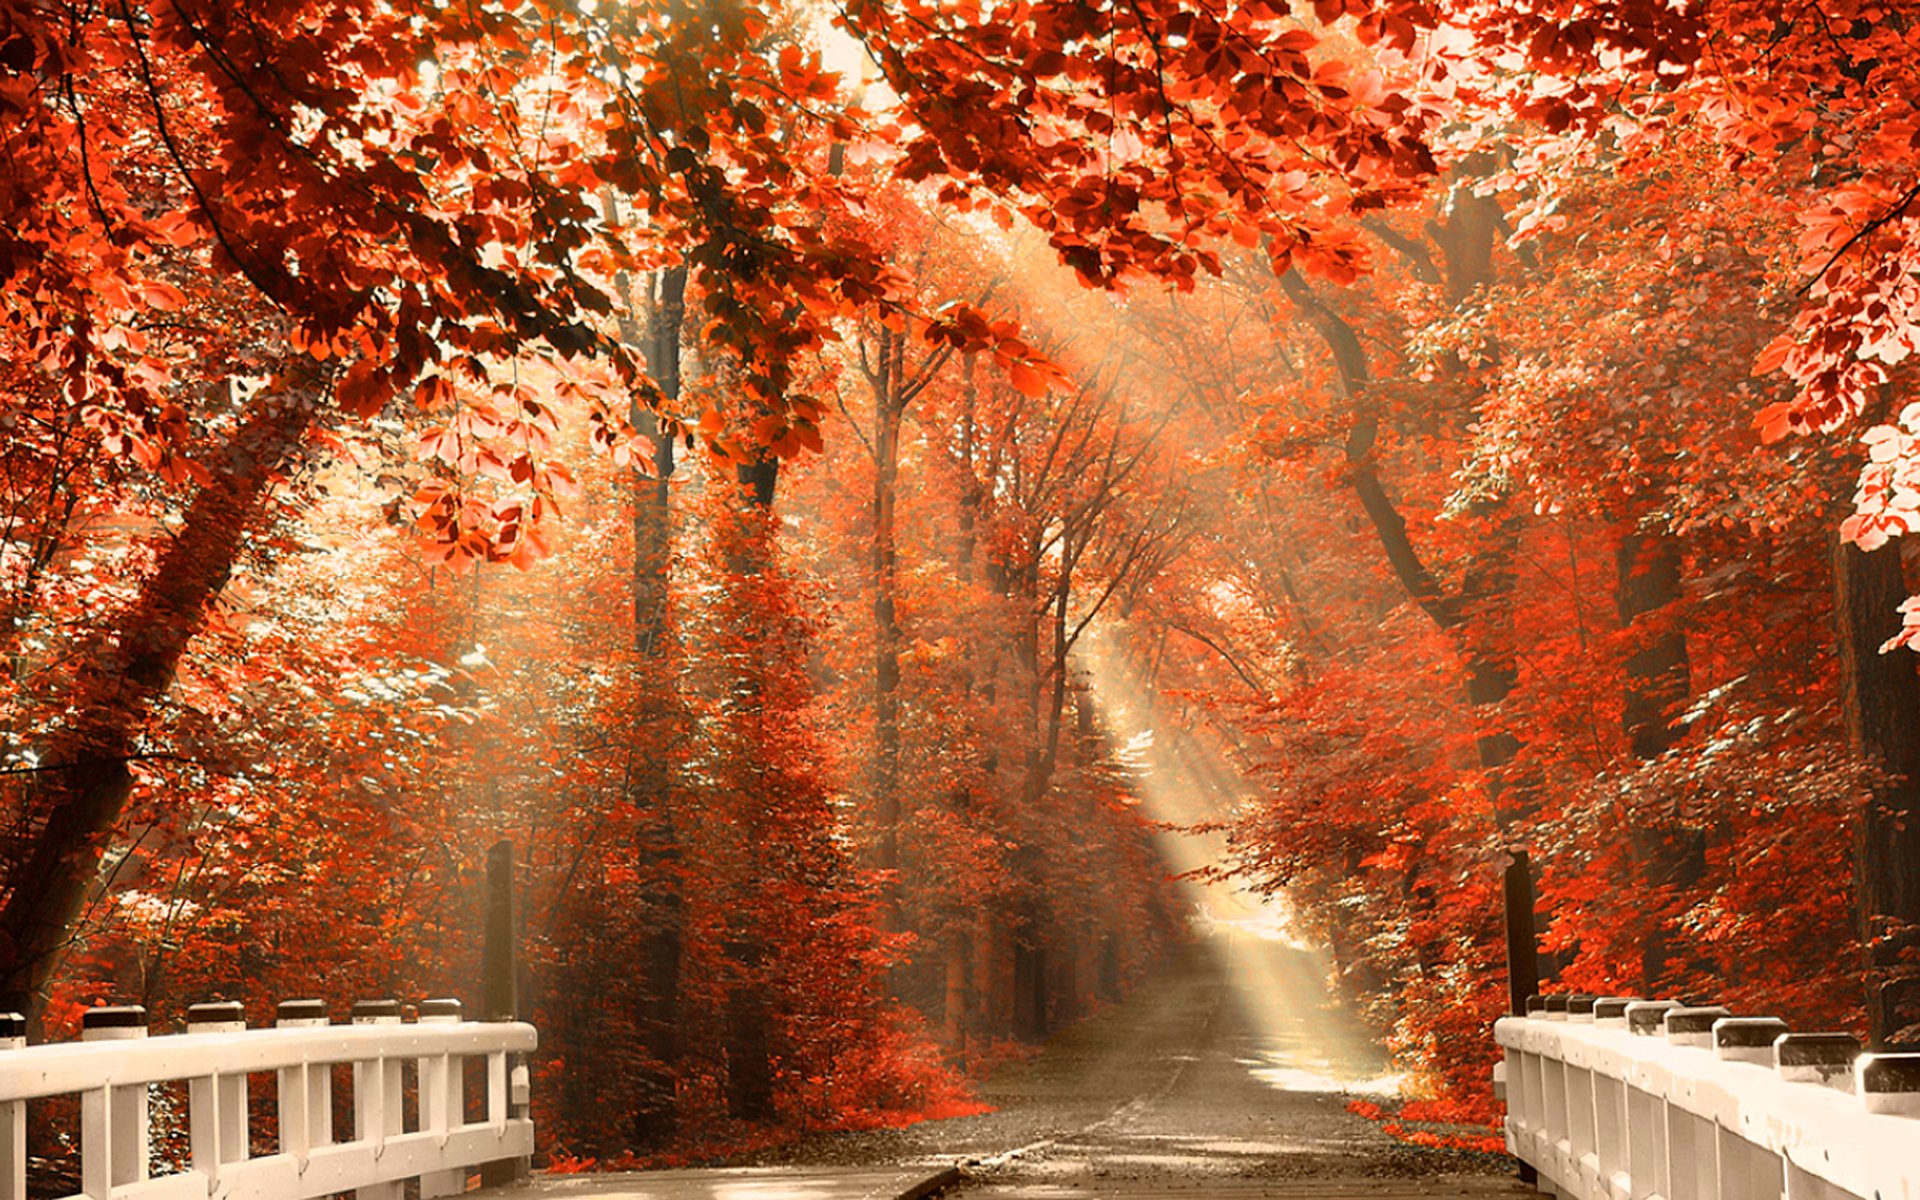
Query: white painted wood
x=96, y=1142
x=13, y=1136
x=441, y=1080
x=121, y=1130
x=112, y=1078
x=1674, y=1121
x=69, y=1068
x=497, y=1089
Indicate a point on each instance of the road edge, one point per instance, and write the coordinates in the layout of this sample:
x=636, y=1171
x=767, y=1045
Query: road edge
x=930, y=1185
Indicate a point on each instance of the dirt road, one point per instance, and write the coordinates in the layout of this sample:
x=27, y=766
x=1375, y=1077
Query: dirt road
x=1222, y=1077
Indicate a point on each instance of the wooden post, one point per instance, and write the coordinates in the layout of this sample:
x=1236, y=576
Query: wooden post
x=499, y=970
x=500, y=984
x=1523, y=957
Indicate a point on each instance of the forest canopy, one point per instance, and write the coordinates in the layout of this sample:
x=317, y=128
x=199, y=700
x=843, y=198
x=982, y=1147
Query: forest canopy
x=834, y=483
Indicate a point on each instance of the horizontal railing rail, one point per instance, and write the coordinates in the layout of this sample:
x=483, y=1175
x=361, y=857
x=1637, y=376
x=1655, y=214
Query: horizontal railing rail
x=115, y=1067
x=1610, y=1098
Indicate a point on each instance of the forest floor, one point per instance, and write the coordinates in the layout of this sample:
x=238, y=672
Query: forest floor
x=1228, y=1073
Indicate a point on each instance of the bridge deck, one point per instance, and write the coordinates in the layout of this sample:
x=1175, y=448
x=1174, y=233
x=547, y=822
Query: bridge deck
x=738, y=1183
x=1226, y=1075
x=828, y=1183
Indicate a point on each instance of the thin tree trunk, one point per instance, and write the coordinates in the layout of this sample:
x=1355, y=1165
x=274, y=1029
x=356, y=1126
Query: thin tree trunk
x=1045, y=758
x=889, y=408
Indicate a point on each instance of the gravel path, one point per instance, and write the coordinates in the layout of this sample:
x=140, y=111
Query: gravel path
x=1223, y=1075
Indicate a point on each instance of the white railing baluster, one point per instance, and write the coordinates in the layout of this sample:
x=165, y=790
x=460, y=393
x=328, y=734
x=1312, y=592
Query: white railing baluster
x=96, y=1143
x=377, y=1096
x=1516, y=1098
x=1646, y=1147
x=497, y=1095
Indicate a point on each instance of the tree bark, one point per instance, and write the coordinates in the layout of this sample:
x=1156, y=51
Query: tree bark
x=1659, y=675
x=1880, y=696
x=657, y=839
x=1488, y=587
x=1674, y=858
x=86, y=779
x=889, y=408
x=652, y=512
x=747, y=1014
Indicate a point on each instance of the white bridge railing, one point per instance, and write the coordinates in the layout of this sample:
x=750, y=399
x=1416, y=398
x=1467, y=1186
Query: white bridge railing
x=1614, y=1099
x=409, y=1102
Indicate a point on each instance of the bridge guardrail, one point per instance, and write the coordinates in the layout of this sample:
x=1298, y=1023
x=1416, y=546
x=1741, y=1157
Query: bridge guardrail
x=1611, y=1098
x=112, y=1067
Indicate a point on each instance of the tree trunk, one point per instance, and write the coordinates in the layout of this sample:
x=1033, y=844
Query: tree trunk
x=1030, y=990
x=1658, y=673
x=657, y=842
x=749, y=1054
x=959, y=987
x=1488, y=587
x=888, y=410
x=1880, y=695
x=748, y=1034
x=1045, y=756
x=1674, y=858
x=86, y=780
x=652, y=514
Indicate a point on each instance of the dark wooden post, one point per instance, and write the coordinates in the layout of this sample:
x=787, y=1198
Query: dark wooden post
x=499, y=966
x=500, y=981
x=1523, y=955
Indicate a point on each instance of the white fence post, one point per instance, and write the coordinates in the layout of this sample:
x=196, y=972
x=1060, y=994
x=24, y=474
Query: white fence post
x=217, y=1102
x=442, y=1083
x=13, y=1118
x=306, y=1089
x=113, y=1120
x=377, y=1095
x=1889, y=1083
x=1610, y=1104
x=1748, y=1171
